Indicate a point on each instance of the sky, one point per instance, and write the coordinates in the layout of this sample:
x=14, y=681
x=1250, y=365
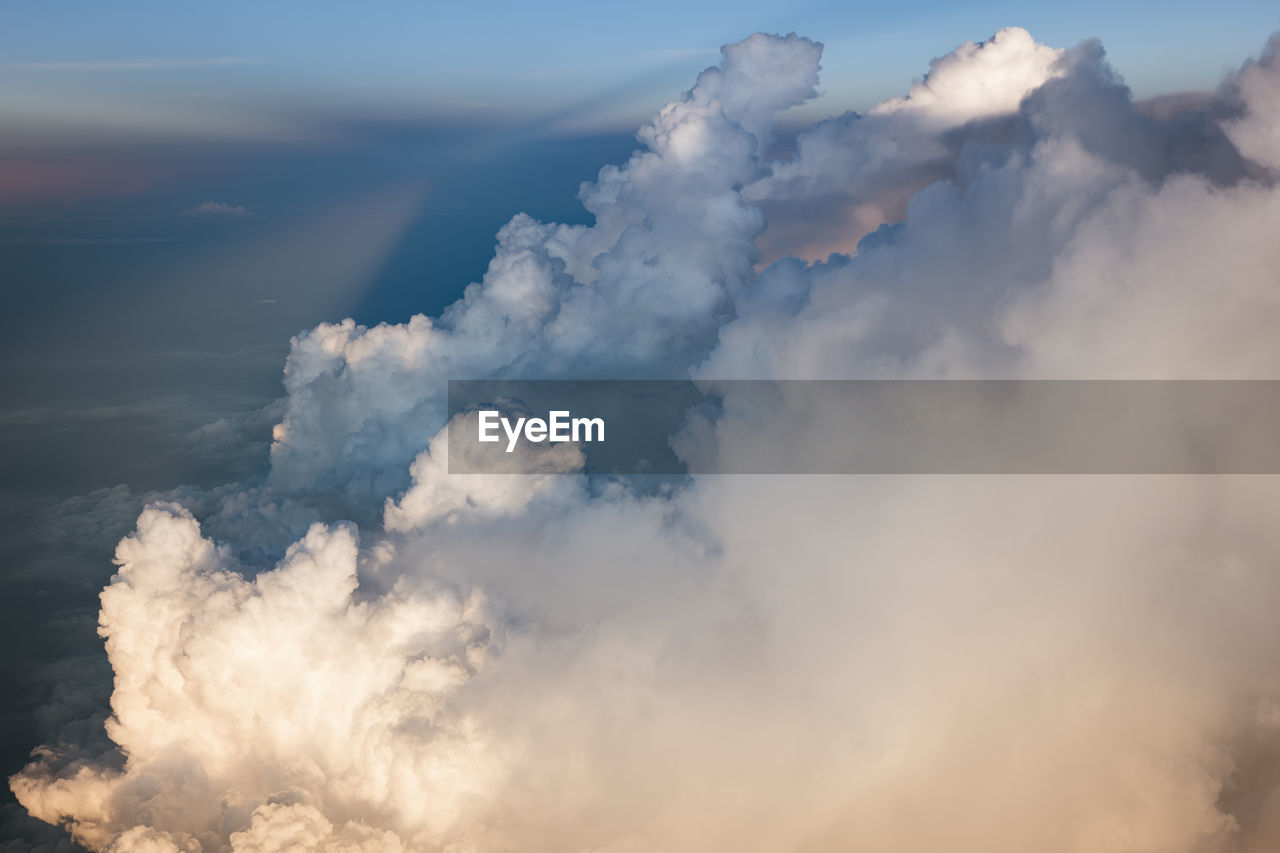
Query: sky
x=241, y=69
x=194, y=196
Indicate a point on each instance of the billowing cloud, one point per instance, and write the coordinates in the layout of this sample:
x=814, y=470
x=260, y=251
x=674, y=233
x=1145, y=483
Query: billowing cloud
x=641, y=293
x=1256, y=94
x=752, y=664
x=977, y=80
x=854, y=172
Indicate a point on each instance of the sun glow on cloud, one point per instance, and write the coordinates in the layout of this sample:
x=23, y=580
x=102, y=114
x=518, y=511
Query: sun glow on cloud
x=748, y=664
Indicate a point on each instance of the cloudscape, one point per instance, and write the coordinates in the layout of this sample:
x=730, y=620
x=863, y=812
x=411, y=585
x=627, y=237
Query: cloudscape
x=317, y=638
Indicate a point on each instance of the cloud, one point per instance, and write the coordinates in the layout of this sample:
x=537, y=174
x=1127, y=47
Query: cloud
x=977, y=80
x=853, y=173
x=216, y=208
x=735, y=663
x=642, y=292
x=151, y=64
x=1255, y=92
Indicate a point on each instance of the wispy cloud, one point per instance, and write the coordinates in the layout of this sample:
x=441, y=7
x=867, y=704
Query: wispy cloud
x=216, y=208
x=149, y=64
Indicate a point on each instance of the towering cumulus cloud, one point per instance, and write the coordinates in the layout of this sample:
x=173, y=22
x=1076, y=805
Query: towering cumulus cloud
x=642, y=292
x=552, y=663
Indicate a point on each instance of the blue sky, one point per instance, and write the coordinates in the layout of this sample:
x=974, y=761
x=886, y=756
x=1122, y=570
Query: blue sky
x=261, y=69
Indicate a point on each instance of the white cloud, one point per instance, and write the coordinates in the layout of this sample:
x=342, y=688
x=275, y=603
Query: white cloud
x=853, y=173
x=748, y=664
x=1256, y=91
x=979, y=79
x=642, y=292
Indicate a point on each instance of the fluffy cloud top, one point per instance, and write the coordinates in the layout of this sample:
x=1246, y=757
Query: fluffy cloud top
x=774, y=663
x=979, y=80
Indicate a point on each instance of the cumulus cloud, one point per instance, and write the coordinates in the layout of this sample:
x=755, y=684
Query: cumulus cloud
x=1257, y=95
x=642, y=292
x=979, y=79
x=557, y=662
x=854, y=172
